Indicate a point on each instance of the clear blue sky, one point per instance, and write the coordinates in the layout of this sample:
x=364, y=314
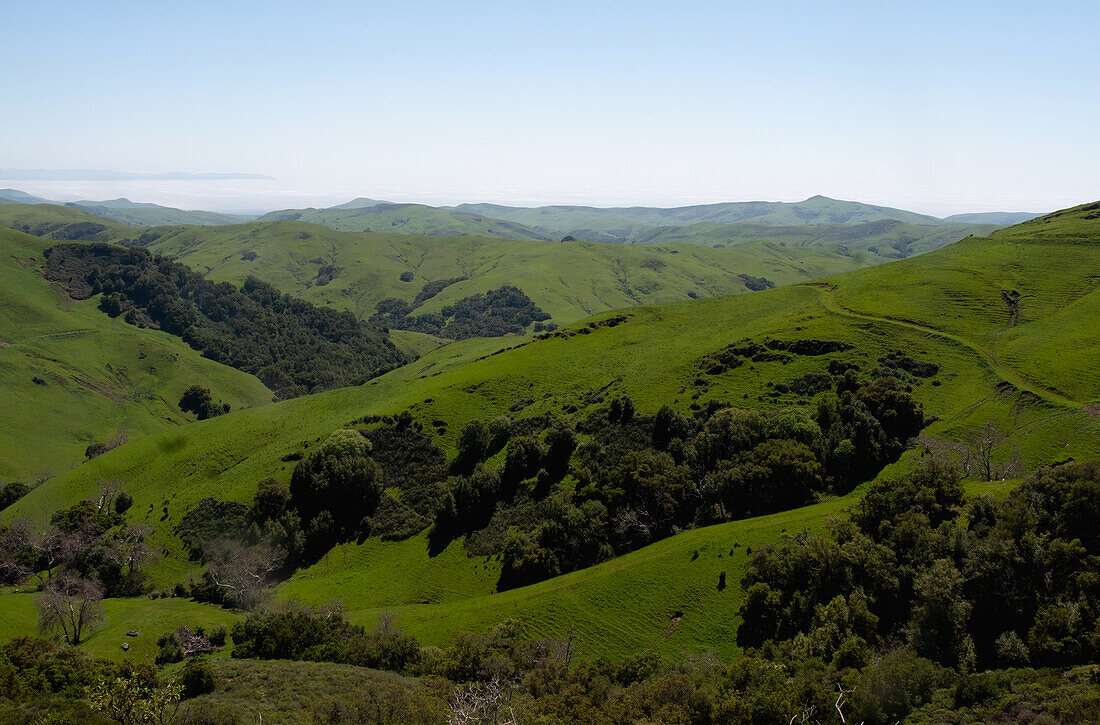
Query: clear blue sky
x=935, y=106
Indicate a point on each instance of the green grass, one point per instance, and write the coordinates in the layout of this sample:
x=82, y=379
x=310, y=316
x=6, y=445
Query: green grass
x=100, y=375
x=569, y=280
x=149, y=617
x=886, y=239
x=279, y=692
x=416, y=219
x=940, y=307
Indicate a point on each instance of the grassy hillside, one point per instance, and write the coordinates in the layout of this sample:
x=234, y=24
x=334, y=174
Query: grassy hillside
x=128, y=212
x=20, y=197
x=415, y=219
x=354, y=271
x=98, y=375
x=568, y=280
x=886, y=238
x=154, y=215
x=944, y=307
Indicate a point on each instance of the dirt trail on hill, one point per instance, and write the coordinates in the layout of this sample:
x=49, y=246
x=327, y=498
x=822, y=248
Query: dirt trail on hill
x=1047, y=394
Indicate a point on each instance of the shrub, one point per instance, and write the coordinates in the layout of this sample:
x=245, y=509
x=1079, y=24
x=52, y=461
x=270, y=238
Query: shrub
x=197, y=678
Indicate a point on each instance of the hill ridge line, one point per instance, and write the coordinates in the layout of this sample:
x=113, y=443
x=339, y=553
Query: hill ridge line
x=1050, y=395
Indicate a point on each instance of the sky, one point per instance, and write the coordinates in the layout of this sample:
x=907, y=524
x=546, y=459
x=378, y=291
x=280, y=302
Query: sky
x=938, y=107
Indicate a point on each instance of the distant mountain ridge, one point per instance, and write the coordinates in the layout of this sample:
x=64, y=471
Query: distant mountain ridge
x=131, y=213
x=621, y=222
x=1003, y=218
x=816, y=220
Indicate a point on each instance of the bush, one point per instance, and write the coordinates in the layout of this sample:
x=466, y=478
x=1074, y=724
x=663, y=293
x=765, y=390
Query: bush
x=197, y=678
x=217, y=635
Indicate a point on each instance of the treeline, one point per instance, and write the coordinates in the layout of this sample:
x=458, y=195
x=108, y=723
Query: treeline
x=503, y=311
x=291, y=345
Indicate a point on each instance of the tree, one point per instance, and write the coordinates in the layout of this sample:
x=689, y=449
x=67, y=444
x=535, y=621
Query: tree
x=11, y=493
x=978, y=450
x=18, y=553
x=238, y=574
x=70, y=605
x=473, y=446
x=340, y=482
x=200, y=401
x=135, y=700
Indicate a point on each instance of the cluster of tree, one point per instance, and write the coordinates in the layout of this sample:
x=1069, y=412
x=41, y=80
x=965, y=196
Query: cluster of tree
x=503, y=311
x=324, y=637
x=291, y=345
x=640, y=478
x=970, y=587
x=11, y=492
x=200, y=401
x=334, y=492
x=86, y=553
x=46, y=682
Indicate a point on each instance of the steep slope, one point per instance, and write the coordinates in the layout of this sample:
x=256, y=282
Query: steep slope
x=72, y=376
x=415, y=219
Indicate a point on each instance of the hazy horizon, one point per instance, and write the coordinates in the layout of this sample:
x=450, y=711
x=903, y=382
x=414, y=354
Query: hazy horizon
x=262, y=196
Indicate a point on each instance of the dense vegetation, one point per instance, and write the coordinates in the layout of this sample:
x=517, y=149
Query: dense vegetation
x=556, y=503
x=292, y=346
x=503, y=311
x=639, y=478
x=919, y=607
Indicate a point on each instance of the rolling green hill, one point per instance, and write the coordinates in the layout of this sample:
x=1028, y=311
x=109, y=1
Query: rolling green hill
x=415, y=219
x=96, y=376
x=886, y=238
x=154, y=215
x=569, y=280
x=354, y=271
x=622, y=223
x=1028, y=371
x=131, y=213
x=20, y=197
